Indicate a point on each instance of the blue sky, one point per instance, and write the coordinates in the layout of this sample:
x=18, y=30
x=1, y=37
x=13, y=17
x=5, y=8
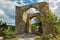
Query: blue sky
x=7, y=8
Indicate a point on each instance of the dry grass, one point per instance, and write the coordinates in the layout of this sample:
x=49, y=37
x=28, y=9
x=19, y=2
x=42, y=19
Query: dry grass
x=11, y=39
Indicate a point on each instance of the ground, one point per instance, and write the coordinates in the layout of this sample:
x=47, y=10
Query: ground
x=58, y=38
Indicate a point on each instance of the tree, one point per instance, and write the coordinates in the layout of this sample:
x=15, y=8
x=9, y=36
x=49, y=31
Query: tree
x=3, y=26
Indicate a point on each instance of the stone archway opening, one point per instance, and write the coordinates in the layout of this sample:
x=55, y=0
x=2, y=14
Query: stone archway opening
x=34, y=24
x=30, y=17
x=32, y=11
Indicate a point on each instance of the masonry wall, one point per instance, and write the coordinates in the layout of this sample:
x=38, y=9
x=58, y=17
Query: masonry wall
x=22, y=24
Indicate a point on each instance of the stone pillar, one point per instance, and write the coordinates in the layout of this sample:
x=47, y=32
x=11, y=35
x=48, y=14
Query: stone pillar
x=20, y=22
x=30, y=28
x=27, y=24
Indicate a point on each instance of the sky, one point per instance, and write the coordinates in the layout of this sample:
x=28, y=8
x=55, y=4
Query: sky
x=7, y=8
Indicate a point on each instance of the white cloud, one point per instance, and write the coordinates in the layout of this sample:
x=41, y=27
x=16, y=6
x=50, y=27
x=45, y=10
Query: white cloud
x=7, y=19
x=7, y=8
x=52, y=5
x=58, y=0
x=1, y=12
x=40, y=0
x=55, y=7
x=31, y=1
x=33, y=20
x=32, y=10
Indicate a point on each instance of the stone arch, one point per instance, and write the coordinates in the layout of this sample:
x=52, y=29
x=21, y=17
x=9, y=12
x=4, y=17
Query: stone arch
x=38, y=6
x=30, y=16
x=38, y=27
x=25, y=8
x=31, y=6
x=22, y=26
x=33, y=15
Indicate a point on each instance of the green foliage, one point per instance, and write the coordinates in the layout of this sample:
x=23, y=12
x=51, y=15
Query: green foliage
x=57, y=28
x=57, y=25
x=34, y=25
x=6, y=29
x=2, y=27
x=45, y=37
x=37, y=39
x=9, y=30
x=50, y=17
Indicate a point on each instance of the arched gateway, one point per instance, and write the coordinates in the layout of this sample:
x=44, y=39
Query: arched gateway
x=22, y=19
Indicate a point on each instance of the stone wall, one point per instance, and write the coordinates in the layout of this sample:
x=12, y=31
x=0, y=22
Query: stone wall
x=22, y=19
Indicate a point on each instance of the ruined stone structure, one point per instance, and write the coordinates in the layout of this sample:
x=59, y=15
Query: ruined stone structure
x=22, y=19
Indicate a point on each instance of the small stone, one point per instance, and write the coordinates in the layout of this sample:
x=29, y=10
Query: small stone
x=1, y=38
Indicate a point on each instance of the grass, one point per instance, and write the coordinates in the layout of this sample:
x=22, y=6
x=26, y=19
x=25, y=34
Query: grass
x=11, y=39
x=58, y=37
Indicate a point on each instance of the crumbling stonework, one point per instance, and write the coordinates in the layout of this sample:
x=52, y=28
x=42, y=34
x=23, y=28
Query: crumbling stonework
x=22, y=19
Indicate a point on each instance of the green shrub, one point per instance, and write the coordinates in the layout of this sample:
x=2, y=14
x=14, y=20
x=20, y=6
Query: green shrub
x=57, y=29
x=45, y=37
x=37, y=39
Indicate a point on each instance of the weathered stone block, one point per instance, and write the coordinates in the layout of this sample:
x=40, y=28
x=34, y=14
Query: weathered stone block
x=1, y=38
